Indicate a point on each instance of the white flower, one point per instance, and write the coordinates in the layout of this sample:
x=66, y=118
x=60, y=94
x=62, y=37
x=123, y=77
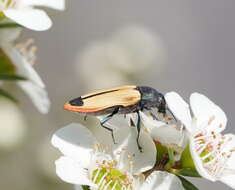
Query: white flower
x=212, y=152
x=143, y=49
x=24, y=13
x=166, y=133
x=23, y=58
x=85, y=162
x=121, y=57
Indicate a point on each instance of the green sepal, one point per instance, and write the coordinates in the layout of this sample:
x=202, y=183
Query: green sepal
x=185, y=172
x=187, y=160
x=161, y=151
x=187, y=184
x=85, y=187
x=8, y=96
x=11, y=77
x=6, y=66
x=171, y=156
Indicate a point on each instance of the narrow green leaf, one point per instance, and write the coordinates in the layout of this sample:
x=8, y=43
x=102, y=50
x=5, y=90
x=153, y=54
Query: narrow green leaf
x=9, y=25
x=7, y=95
x=11, y=77
x=85, y=187
x=187, y=184
x=6, y=66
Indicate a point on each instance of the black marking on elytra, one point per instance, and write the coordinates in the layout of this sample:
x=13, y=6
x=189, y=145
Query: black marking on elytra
x=99, y=94
x=76, y=102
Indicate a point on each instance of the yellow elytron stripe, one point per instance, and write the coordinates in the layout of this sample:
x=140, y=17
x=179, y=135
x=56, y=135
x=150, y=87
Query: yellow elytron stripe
x=110, y=89
x=123, y=97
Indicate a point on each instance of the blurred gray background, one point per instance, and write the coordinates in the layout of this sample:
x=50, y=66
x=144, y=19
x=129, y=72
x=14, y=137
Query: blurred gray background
x=199, y=41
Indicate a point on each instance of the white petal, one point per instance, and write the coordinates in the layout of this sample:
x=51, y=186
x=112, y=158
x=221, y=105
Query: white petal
x=204, y=109
x=179, y=108
x=149, y=123
x=24, y=68
x=142, y=161
x=165, y=134
x=33, y=19
x=229, y=180
x=37, y=94
x=159, y=180
x=71, y=171
x=75, y=141
x=55, y=4
x=228, y=175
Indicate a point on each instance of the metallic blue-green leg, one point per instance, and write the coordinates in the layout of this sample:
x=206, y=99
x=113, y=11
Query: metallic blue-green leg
x=104, y=120
x=138, y=132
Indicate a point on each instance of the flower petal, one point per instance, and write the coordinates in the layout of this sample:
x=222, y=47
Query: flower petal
x=179, y=108
x=130, y=156
x=37, y=94
x=55, y=4
x=228, y=175
x=167, y=135
x=72, y=172
x=159, y=180
x=75, y=141
x=33, y=19
x=24, y=68
x=204, y=110
x=150, y=123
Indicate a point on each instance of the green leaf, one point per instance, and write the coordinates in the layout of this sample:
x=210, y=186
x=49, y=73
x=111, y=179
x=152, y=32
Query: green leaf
x=188, y=172
x=85, y=187
x=11, y=77
x=7, y=95
x=6, y=66
x=187, y=160
x=187, y=184
x=9, y=25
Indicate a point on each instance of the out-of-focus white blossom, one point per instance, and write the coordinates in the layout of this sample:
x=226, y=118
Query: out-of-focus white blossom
x=13, y=127
x=144, y=49
x=120, y=58
x=24, y=12
x=23, y=57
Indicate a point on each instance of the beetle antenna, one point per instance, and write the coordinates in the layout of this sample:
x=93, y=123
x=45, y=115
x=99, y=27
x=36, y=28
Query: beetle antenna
x=171, y=114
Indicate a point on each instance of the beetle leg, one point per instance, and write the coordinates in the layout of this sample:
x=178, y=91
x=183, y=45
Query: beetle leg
x=172, y=114
x=153, y=115
x=138, y=132
x=85, y=117
x=104, y=120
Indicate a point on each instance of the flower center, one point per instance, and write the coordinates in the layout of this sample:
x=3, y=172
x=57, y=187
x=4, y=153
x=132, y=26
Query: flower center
x=213, y=150
x=107, y=177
